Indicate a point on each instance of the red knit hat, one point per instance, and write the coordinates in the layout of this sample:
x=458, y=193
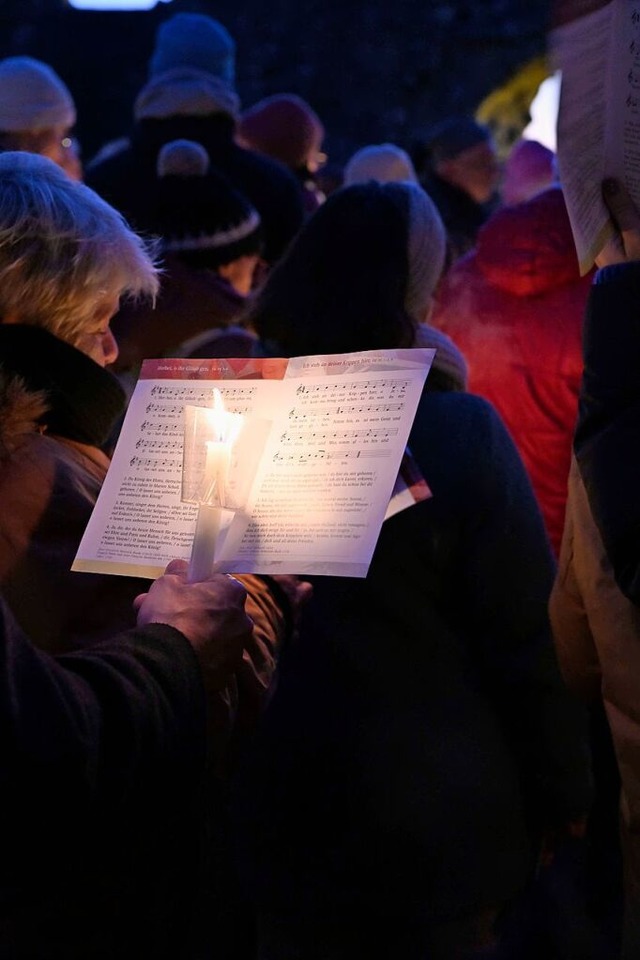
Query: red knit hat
x=283, y=126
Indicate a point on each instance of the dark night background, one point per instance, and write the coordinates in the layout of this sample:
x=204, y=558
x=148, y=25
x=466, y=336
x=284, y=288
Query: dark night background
x=374, y=70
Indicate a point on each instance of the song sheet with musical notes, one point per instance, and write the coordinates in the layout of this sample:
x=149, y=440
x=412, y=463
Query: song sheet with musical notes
x=324, y=442
x=596, y=46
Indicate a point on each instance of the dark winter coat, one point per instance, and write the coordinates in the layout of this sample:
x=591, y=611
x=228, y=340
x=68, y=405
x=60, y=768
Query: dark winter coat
x=57, y=406
x=101, y=780
x=420, y=739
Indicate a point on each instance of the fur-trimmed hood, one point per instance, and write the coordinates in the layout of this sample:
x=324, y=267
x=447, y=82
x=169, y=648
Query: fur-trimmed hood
x=21, y=412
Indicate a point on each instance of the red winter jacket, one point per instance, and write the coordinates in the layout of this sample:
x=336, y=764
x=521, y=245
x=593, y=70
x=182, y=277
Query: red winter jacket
x=515, y=308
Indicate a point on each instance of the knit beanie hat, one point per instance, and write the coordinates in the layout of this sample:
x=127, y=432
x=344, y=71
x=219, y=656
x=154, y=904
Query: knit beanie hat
x=283, y=126
x=33, y=97
x=384, y=163
x=194, y=40
x=449, y=359
x=185, y=92
x=453, y=135
x=426, y=249
x=199, y=214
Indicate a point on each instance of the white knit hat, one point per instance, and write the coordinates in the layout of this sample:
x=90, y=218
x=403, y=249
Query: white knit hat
x=384, y=163
x=33, y=97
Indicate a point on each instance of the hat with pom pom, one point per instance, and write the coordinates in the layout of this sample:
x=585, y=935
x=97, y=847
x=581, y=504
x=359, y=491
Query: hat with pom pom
x=200, y=215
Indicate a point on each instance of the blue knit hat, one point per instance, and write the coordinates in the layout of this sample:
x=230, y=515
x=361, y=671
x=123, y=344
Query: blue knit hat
x=194, y=40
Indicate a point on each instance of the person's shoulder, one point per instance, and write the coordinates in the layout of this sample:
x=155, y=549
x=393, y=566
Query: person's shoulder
x=461, y=406
x=460, y=427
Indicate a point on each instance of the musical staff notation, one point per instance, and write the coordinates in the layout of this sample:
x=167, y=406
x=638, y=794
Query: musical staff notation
x=324, y=389
x=301, y=413
x=189, y=394
x=167, y=408
x=310, y=456
x=322, y=436
x=177, y=409
x=162, y=444
x=155, y=427
x=155, y=462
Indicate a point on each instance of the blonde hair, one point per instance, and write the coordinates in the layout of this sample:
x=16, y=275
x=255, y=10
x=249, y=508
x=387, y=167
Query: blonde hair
x=63, y=250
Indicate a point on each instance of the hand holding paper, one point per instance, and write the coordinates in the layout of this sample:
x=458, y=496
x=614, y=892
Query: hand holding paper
x=625, y=244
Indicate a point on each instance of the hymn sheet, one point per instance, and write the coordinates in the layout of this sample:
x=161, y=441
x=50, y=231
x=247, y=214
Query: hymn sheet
x=316, y=466
x=596, y=46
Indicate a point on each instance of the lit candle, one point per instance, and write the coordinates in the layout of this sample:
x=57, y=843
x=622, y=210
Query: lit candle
x=224, y=428
x=216, y=471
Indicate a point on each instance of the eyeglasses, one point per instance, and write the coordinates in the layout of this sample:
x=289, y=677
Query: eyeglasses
x=70, y=143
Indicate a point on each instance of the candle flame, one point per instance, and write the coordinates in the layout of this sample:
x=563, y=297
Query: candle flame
x=224, y=428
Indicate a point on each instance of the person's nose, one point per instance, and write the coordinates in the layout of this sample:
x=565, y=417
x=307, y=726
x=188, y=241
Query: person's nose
x=110, y=348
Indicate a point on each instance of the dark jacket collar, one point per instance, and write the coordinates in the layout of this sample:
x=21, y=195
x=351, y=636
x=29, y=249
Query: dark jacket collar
x=84, y=400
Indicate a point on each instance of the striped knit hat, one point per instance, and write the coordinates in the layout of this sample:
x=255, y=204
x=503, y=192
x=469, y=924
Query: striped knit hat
x=200, y=215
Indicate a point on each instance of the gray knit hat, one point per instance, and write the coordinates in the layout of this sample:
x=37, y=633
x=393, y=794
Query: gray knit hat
x=426, y=249
x=381, y=162
x=185, y=91
x=449, y=359
x=33, y=97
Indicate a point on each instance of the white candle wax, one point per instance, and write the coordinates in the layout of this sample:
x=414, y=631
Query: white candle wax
x=212, y=498
x=216, y=469
x=214, y=480
x=204, y=543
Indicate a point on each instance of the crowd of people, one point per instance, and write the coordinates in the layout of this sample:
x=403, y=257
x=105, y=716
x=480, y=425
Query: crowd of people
x=438, y=761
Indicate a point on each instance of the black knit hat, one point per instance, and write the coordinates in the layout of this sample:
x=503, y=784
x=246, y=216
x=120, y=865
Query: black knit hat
x=200, y=215
x=451, y=136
